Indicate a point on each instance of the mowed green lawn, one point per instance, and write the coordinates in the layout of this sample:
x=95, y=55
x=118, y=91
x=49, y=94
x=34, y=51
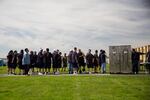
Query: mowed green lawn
x=3, y=70
x=111, y=87
x=80, y=87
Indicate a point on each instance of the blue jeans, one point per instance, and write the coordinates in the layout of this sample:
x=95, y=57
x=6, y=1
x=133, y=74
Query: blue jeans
x=103, y=66
x=70, y=68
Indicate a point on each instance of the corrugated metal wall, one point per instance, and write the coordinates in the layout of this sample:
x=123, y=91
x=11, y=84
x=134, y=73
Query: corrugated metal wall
x=120, y=59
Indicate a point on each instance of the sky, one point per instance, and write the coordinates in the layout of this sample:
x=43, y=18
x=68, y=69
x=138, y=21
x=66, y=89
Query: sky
x=64, y=24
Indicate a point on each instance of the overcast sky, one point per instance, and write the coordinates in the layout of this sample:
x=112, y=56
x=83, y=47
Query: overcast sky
x=63, y=24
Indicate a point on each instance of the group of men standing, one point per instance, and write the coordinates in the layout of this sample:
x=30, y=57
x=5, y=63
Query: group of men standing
x=44, y=60
x=78, y=61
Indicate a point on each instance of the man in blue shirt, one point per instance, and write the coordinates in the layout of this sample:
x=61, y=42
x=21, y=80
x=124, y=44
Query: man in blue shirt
x=26, y=61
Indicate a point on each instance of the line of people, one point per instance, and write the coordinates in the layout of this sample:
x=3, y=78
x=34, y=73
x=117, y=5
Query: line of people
x=76, y=61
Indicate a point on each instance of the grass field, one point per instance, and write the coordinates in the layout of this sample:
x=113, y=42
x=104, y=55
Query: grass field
x=75, y=88
x=80, y=87
x=3, y=70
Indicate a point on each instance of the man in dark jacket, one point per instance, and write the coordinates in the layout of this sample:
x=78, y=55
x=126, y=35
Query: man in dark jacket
x=9, y=61
x=96, y=59
x=103, y=62
x=59, y=61
x=70, y=62
x=100, y=60
x=64, y=62
x=81, y=61
x=32, y=61
x=56, y=62
x=35, y=60
x=40, y=62
x=135, y=61
x=48, y=59
x=20, y=66
x=75, y=60
x=54, y=59
x=14, y=62
x=89, y=61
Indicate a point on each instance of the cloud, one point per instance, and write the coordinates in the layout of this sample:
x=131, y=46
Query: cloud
x=63, y=24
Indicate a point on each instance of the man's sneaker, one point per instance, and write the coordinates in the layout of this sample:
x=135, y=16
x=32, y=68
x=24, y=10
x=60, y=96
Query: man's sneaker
x=45, y=73
x=40, y=73
x=74, y=73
